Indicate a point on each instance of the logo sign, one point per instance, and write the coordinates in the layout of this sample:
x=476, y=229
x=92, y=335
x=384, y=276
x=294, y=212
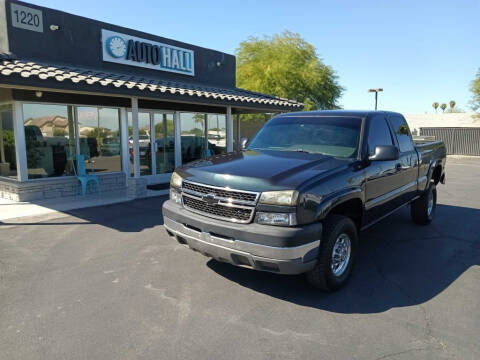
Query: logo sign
x=131, y=50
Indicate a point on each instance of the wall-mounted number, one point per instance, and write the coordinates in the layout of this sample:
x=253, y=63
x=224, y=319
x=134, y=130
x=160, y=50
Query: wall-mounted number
x=26, y=18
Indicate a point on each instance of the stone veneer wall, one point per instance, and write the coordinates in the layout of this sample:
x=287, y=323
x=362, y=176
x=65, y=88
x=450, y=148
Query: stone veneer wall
x=49, y=188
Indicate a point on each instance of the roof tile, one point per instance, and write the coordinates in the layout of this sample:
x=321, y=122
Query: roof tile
x=9, y=65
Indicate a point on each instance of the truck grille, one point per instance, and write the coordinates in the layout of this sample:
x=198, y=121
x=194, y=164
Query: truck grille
x=223, y=193
x=220, y=203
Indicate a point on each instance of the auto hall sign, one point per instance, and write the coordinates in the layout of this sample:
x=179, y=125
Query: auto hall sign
x=131, y=50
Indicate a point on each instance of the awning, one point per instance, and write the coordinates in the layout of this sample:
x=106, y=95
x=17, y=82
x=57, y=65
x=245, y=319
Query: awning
x=24, y=72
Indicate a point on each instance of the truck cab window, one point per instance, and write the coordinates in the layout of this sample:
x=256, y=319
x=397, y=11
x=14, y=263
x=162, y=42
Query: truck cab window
x=400, y=127
x=379, y=134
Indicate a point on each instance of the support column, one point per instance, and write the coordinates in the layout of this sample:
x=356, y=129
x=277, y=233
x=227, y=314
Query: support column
x=239, y=135
x=136, y=147
x=20, y=147
x=124, y=141
x=229, y=129
x=205, y=133
x=2, y=148
x=178, y=139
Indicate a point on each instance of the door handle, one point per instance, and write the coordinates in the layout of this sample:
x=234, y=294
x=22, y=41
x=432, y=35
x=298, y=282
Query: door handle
x=399, y=167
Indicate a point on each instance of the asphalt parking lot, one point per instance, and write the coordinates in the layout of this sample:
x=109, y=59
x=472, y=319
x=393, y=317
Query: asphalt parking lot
x=108, y=283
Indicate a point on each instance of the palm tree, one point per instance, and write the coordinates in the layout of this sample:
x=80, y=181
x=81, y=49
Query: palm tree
x=443, y=107
x=452, y=104
x=435, y=105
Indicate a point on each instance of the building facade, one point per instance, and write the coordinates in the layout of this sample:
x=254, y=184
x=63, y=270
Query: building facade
x=135, y=105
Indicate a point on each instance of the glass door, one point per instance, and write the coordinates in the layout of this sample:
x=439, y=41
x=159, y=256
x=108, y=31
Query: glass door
x=164, y=145
x=144, y=142
x=156, y=144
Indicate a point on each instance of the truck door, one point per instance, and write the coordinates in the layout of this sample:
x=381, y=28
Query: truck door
x=381, y=180
x=407, y=165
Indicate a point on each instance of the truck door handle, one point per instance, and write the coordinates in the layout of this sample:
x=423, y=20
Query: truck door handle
x=399, y=167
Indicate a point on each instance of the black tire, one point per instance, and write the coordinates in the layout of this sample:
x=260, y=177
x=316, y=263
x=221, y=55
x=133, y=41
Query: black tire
x=419, y=209
x=322, y=276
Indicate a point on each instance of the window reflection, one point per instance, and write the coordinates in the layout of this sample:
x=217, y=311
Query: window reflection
x=164, y=142
x=99, y=130
x=144, y=145
x=193, y=136
x=198, y=143
x=217, y=134
x=49, y=139
x=8, y=163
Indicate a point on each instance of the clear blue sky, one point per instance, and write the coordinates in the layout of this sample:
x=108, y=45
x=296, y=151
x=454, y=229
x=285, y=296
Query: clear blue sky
x=418, y=51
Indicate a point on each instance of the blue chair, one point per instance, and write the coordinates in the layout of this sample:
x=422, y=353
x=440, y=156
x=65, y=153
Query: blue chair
x=83, y=176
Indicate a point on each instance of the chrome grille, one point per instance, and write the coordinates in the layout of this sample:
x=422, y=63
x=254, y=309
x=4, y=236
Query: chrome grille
x=226, y=212
x=245, y=197
x=221, y=203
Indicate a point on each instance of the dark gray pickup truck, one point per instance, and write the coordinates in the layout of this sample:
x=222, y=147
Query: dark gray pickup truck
x=294, y=200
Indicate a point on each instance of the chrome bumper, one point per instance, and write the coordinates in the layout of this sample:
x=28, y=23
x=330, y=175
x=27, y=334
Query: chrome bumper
x=284, y=260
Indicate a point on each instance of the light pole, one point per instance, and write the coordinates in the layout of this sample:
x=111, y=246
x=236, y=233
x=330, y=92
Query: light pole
x=376, y=91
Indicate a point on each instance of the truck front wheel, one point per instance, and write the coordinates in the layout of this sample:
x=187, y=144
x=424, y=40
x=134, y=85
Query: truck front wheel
x=422, y=210
x=338, y=249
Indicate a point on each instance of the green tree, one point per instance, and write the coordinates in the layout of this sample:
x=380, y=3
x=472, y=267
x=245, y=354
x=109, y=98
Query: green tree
x=435, y=105
x=287, y=66
x=475, y=88
x=443, y=107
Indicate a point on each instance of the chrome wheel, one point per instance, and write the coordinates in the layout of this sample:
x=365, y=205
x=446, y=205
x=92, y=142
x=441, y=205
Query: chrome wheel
x=341, y=254
x=430, y=203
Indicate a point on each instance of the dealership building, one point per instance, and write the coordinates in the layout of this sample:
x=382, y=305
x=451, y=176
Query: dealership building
x=136, y=105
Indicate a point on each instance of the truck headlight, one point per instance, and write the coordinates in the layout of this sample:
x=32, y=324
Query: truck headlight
x=176, y=180
x=281, y=219
x=175, y=196
x=284, y=197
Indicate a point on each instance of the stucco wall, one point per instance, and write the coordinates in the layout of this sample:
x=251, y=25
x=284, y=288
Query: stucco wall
x=417, y=121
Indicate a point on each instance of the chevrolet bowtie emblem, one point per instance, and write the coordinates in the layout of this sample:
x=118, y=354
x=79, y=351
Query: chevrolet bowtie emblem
x=210, y=199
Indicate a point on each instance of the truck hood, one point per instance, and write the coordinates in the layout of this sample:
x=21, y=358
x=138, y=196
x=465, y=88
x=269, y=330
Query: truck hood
x=261, y=170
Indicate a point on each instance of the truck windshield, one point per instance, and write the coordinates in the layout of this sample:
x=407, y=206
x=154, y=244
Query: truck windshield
x=334, y=136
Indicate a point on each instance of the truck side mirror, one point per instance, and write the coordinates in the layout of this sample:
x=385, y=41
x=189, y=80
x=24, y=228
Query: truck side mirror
x=243, y=143
x=385, y=153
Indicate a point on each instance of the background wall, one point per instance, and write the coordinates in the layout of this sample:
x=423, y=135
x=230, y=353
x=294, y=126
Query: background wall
x=78, y=42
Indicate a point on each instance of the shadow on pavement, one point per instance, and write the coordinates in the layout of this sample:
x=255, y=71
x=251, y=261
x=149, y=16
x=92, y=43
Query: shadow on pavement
x=131, y=216
x=399, y=264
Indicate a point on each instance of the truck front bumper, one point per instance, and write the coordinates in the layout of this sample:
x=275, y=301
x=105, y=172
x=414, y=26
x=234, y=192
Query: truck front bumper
x=284, y=250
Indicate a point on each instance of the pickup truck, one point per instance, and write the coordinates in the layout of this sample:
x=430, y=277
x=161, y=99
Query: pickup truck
x=295, y=198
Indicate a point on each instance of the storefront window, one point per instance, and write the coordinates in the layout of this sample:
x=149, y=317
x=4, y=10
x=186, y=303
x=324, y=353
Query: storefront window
x=217, y=134
x=99, y=130
x=195, y=145
x=8, y=163
x=164, y=142
x=49, y=139
x=193, y=136
x=144, y=145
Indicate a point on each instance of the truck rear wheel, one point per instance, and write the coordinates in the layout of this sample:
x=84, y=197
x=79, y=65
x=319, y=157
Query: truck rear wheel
x=422, y=210
x=338, y=249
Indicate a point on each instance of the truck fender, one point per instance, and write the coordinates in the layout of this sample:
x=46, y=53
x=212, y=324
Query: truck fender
x=431, y=169
x=337, y=198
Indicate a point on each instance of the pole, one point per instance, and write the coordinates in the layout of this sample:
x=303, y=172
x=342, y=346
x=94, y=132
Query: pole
x=2, y=148
x=376, y=98
x=136, y=146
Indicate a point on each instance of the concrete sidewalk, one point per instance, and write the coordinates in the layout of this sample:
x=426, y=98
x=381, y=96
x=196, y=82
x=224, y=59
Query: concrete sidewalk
x=15, y=210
